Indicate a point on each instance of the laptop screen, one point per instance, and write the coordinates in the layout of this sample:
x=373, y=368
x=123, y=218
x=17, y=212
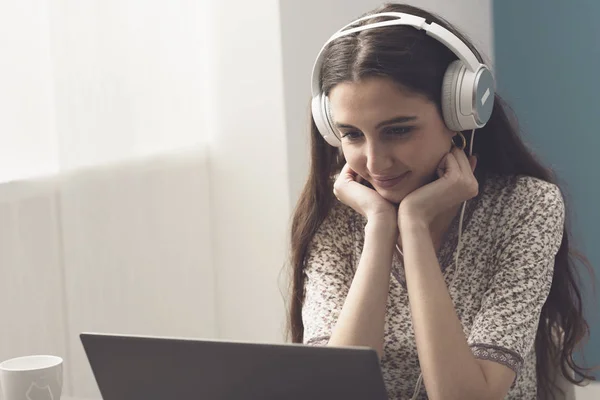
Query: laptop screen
x=146, y=368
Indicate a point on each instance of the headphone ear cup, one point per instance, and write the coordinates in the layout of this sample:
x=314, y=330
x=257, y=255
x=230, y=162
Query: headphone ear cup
x=328, y=117
x=450, y=86
x=332, y=137
x=320, y=114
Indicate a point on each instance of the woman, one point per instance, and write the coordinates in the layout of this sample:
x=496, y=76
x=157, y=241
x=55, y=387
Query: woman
x=477, y=302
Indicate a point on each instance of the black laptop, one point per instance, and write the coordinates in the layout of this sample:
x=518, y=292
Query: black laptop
x=148, y=368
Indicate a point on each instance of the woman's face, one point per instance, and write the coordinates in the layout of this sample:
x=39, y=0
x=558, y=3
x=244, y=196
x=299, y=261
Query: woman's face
x=391, y=137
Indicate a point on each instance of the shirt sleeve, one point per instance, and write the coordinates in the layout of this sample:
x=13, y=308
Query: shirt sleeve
x=328, y=275
x=505, y=328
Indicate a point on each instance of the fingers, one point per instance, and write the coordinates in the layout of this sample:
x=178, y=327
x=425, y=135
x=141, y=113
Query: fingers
x=466, y=166
x=449, y=166
x=461, y=159
x=366, y=201
x=465, y=163
x=473, y=162
x=346, y=170
x=349, y=192
x=347, y=174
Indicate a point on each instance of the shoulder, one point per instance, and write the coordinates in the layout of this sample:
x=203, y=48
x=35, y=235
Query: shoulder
x=340, y=219
x=514, y=195
x=524, y=211
x=336, y=231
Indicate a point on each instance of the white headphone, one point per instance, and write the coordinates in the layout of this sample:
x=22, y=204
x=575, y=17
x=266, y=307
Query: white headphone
x=467, y=89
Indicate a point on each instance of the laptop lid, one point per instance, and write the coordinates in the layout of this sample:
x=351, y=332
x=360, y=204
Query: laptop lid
x=146, y=368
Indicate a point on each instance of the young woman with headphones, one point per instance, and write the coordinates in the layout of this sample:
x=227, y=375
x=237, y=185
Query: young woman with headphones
x=455, y=268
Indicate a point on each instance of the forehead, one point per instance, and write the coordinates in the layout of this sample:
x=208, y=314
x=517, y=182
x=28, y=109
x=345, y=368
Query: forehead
x=374, y=99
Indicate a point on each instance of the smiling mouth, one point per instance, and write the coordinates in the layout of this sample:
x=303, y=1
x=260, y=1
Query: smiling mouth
x=388, y=183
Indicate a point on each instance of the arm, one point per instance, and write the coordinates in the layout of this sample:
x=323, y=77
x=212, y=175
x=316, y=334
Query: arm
x=343, y=308
x=449, y=367
x=450, y=370
x=362, y=319
x=506, y=325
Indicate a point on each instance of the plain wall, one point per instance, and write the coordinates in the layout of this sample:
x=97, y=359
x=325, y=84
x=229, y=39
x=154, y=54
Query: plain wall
x=548, y=73
x=248, y=169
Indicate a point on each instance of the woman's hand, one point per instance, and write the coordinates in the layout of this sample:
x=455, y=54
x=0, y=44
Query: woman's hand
x=364, y=200
x=455, y=185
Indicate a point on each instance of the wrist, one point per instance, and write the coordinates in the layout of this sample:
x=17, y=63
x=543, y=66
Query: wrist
x=413, y=224
x=382, y=226
x=412, y=216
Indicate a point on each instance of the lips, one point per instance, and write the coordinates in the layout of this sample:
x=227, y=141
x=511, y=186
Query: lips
x=389, y=182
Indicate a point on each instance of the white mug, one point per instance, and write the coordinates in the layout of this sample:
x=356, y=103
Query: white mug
x=32, y=378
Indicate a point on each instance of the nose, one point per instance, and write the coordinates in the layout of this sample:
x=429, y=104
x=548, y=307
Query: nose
x=379, y=157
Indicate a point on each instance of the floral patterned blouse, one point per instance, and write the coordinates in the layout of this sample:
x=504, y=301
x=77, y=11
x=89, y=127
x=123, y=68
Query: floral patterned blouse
x=511, y=233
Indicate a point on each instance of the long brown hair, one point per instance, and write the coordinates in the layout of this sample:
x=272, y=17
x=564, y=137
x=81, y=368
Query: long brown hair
x=417, y=62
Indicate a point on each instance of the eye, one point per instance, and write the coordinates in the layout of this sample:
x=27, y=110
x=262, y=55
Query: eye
x=351, y=135
x=399, y=130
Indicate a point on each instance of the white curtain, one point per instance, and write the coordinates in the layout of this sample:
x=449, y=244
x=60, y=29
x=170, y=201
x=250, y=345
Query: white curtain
x=90, y=82
x=104, y=184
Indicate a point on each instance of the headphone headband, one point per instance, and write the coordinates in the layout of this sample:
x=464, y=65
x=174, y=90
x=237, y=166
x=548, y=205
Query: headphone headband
x=434, y=30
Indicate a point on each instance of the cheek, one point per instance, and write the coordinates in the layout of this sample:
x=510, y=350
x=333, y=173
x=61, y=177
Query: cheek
x=428, y=153
x=354, y=159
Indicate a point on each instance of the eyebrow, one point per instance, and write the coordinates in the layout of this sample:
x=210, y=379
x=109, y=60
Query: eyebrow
x=395, y=120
